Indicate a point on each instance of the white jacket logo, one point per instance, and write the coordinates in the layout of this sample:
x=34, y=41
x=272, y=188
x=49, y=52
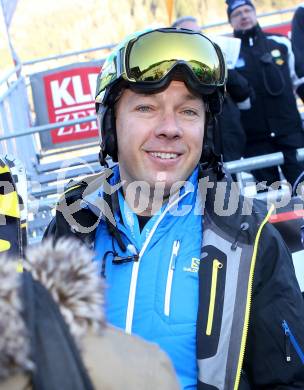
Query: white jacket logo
x=195, y=262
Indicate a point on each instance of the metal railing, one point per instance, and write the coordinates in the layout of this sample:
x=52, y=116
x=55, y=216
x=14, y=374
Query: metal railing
x=44, y=128
x=237, y=166
x=68, y=54
x=15, y=114
x=43, y=201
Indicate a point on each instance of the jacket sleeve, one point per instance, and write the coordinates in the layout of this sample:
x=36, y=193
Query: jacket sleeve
x=57, y=228
x=296, y=79
x=50, y=231
x=72, y=220
x=81, y=225
x=274, y=357
x=297, y=39
x=238, y=86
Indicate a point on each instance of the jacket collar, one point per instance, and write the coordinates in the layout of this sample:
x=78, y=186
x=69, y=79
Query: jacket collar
x=253, y=34
x=217, y=191
x=225, y=206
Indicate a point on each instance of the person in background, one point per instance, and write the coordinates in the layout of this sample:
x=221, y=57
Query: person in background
x=273, y=123
x=297, y=40
x=217, y=291
x=233, y=137
x=189, y=22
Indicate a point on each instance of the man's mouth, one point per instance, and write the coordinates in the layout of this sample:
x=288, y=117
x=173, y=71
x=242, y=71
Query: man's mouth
x=164, y=156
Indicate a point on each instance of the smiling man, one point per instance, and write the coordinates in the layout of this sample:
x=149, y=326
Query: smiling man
x=214, y=289
x=157, y=137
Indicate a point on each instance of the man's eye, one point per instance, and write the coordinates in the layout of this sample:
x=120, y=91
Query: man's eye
x=143, y=108
x=189, y=112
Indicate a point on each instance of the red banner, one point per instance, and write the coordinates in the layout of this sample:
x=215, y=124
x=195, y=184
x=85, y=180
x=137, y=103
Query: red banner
x=284, y=29
x=70, y=95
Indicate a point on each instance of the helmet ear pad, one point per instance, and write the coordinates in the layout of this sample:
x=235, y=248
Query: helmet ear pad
x=215, y=102
x=212, y=146
x=211, y=153
x=207, y=149
x=109, y=138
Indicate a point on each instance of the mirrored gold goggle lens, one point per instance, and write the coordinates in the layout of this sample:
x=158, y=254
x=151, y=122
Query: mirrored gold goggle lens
x=151, y=57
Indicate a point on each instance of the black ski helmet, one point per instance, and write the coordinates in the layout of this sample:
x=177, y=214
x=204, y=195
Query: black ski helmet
x=148, y=61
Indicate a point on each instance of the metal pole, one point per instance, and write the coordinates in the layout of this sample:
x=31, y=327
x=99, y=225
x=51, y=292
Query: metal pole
x=68, y=54
x=258, y=162
x=14, y=56
x=41, y=129
x=14, y=71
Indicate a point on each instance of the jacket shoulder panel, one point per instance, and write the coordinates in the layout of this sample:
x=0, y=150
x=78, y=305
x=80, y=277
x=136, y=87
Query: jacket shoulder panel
x=281, y=39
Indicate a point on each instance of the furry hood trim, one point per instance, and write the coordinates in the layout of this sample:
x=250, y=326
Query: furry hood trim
x=67, y=271
x=14, y=345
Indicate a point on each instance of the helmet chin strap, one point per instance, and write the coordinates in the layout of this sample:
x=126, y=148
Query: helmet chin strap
x=108, y=145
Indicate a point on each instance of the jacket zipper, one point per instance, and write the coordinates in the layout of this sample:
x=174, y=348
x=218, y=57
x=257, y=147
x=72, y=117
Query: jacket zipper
x=136, y=264
x=290, y=339
x=172, y=264
x=216, y=266
x=249, y=297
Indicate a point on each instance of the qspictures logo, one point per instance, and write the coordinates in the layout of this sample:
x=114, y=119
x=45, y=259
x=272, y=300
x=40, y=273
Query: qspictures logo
x=70, y=95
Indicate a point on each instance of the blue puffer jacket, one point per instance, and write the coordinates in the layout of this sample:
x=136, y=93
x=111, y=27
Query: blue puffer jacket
x=156, y=297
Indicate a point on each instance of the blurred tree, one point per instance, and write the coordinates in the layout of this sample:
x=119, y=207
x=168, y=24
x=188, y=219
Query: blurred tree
x=41, y=28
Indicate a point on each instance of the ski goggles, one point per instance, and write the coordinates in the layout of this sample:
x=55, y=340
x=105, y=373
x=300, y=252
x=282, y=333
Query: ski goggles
x=148, y=59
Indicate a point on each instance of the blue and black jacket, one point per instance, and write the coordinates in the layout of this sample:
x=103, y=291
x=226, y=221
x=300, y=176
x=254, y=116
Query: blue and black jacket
x=147, y=280
x=250, y=313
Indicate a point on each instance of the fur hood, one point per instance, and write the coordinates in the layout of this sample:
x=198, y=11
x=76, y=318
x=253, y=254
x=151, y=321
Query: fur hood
x=67, y=271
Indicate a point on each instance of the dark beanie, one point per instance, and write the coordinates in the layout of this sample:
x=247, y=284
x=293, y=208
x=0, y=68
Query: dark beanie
x=234, y=4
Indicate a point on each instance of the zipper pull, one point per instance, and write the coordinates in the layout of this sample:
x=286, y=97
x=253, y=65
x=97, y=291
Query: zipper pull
x=175, y=250
x=250, y=41
x=216, y=265
x=287, y=341
x=172, y=264
x=244, y=226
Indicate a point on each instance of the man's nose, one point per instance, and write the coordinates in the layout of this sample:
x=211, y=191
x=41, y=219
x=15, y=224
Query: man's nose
x=169, y=126
x=245, y=14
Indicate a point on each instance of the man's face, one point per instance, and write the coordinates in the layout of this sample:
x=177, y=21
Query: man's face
x=159, y=135
x=243, y=18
